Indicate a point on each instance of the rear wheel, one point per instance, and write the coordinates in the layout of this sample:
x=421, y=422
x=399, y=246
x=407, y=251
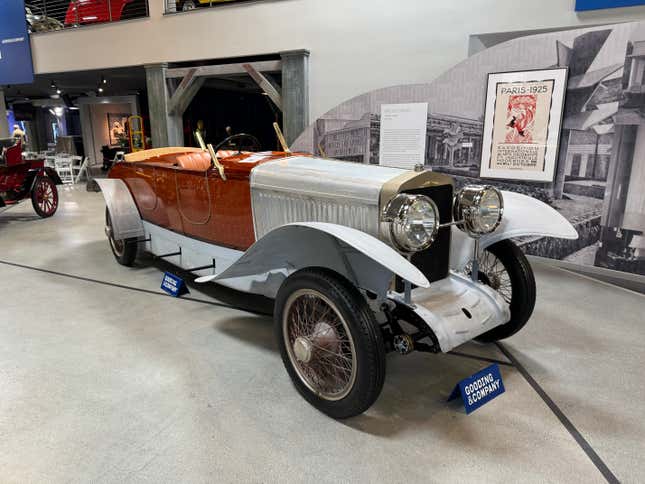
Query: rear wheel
x=504, y=267
x=44, y=197
x=330, y=343
x=124, y=250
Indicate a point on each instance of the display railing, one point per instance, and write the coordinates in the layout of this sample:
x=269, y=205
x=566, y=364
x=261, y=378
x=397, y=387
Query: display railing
x=48, y=15
x=174, y=6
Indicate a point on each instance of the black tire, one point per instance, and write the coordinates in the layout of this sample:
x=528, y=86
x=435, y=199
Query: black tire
x=125, y=251
x=522, y=281
x=363, y=342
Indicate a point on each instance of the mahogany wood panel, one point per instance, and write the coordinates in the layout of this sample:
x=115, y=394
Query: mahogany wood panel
x=198, y=204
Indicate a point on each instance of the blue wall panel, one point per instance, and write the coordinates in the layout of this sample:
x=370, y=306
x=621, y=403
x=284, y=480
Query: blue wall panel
x=599, y=4
x=16, y=66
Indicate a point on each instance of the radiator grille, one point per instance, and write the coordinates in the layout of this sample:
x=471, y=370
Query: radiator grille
x=435, y=261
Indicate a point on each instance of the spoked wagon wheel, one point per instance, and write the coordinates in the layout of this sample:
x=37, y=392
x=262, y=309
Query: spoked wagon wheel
x=124, y=250
x=330, y=343
x=44, y=197
x=504, y=267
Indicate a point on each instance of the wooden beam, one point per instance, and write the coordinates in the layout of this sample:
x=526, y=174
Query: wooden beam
x=265, y=85
x=185, y=92
x=224, y=69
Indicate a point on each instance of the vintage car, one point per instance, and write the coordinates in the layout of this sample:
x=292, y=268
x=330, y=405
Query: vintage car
x=82, y=12
x=21, y=180
x=361, y=260
x=39, y=22
x=185, y=5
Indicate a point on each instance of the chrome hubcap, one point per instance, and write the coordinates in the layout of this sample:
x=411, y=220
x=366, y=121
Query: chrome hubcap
x=303, y=349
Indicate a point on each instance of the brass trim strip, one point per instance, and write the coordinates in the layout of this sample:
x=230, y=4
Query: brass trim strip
x=411, y=180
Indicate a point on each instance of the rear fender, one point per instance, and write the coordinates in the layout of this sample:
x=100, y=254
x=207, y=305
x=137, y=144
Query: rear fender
x=362, y=259
x=124, y=214
x=523, y=216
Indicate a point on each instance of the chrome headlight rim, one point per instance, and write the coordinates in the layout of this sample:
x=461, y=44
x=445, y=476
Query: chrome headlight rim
x=466, y=209
x=394, y=218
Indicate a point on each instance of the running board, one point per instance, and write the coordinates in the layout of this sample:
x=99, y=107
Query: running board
x=189, y=254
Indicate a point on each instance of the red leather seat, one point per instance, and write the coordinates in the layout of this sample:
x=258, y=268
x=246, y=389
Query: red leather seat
x=198, y=161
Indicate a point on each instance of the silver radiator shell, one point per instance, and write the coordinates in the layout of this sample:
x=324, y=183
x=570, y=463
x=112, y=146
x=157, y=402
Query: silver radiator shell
x=303, y=189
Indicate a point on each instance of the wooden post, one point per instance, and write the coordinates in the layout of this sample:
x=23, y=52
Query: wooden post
x=165, y=129
x=295, y=93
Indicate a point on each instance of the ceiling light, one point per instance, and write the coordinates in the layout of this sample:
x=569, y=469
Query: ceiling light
x=58, y=91
x=53, y=85
x=103, y=80
x=100, y=89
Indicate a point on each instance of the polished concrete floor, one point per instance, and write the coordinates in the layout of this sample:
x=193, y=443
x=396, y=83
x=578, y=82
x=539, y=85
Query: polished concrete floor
x=104, y=379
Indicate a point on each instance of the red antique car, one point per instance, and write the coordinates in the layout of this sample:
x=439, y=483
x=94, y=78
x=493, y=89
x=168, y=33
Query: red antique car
x=21, y=180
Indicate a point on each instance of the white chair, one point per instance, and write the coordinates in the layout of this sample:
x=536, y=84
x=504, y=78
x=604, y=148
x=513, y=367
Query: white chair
x=77, y=164
x=63, y=167
x=81, y=169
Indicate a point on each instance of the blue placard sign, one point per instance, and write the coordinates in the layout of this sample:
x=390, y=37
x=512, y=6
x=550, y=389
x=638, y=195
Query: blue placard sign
x=582, y=5
x=173, y=285
x=480, y=388
x=16, y=66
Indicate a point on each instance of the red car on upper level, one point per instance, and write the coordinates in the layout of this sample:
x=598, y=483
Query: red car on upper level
x=81, y=12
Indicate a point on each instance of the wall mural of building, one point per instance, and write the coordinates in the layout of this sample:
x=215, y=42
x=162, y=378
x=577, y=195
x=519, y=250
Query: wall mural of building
x=601, y=162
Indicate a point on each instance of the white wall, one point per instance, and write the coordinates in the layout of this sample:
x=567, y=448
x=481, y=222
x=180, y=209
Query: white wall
x=356, y=45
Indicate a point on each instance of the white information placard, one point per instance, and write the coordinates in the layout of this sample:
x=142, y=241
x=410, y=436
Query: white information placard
x=403, y=134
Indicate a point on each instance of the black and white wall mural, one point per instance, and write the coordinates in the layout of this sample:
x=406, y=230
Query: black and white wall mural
x=600, y=176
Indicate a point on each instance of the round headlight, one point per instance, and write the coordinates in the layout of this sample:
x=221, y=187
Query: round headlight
x=411, y=222
x=480, y=209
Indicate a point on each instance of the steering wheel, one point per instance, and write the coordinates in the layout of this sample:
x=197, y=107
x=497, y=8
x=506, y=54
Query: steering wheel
x=246, y=140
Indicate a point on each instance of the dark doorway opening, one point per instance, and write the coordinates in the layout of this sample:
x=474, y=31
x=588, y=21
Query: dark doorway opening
x=244, y=110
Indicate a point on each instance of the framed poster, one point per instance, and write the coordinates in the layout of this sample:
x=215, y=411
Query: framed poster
x=118, y=128
x=522, y=124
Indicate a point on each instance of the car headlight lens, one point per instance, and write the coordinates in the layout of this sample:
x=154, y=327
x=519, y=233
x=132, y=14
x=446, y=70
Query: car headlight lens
x=411, y=222
x=479, y=208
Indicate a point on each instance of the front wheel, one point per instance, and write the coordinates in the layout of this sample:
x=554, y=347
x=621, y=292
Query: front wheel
x=504, y=267
x=44, y=197
x=330, y=343
x=124, y=250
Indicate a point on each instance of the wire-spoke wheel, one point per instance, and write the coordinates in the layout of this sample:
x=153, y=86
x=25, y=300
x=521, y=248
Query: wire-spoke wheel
x=504, y=267
x=319, y=344
x=330, y=343
x=124, y=250
x=44, y=197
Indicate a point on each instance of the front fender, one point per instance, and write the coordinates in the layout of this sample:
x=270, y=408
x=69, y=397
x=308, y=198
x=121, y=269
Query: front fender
x=53, y=174
x=523, y=216
x=364, y=260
